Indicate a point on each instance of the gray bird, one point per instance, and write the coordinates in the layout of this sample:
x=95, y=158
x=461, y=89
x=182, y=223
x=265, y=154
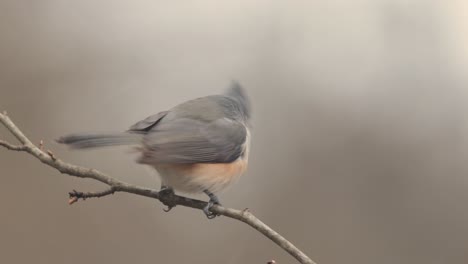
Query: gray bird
x=201, y=145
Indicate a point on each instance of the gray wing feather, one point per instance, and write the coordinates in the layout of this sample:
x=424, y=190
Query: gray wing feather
x=192, y=141
x=147, y=123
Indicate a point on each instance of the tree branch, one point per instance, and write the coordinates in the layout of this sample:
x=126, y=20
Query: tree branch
x=12, y=147
x=47, y=157
x=75, y=195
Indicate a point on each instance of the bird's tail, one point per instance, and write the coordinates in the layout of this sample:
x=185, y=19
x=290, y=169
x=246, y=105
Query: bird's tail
x=84, y=141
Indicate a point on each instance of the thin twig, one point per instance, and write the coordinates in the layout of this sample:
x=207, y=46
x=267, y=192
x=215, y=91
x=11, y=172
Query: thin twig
x=119, y=186
x=75, y=195
x=12, y=147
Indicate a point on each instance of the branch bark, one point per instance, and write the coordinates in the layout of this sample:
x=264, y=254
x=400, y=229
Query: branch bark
x=47, y=157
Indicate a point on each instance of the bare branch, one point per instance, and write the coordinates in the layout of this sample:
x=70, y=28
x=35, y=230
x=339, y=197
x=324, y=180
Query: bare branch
x=75, y=195
x=115, y=185
x=11, y=146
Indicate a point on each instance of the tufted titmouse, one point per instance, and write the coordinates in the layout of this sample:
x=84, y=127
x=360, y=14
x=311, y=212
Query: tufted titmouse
x=201, y=145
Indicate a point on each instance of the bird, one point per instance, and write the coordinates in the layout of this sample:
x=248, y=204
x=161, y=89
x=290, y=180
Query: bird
x=199, y=146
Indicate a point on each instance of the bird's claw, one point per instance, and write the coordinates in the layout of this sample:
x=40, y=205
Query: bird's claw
x=168, y=208
x=166, y=194
x=208, y=213
x=213, y=201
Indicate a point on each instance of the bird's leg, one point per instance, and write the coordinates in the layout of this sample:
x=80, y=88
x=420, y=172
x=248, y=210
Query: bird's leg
x=213, y=200
x=166, y=193
x=166, y=189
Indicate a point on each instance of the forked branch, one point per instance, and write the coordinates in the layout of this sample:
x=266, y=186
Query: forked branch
x=47, y=157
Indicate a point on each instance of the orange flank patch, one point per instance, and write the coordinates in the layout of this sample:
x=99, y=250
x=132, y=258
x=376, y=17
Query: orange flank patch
x=195, y=177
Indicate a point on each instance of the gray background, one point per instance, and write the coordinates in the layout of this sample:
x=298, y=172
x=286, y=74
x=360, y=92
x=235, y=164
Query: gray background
x=359, y=150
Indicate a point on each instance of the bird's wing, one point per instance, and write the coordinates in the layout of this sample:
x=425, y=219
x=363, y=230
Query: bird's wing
x=147, y=123
x=187, y=141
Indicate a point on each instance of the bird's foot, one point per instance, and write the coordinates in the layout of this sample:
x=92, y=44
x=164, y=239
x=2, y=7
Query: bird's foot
x=166, y=195
x=213, y=200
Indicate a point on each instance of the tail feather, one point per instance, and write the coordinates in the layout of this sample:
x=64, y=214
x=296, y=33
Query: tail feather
x=83, y=141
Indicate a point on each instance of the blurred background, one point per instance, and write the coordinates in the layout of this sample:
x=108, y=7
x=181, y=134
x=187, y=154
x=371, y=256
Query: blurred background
x=359, y=151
